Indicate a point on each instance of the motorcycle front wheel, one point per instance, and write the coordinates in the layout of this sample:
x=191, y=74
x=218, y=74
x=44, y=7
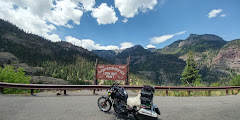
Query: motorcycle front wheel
x=104, y=104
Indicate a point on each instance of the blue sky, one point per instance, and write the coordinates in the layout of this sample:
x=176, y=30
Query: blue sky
x=100, y=24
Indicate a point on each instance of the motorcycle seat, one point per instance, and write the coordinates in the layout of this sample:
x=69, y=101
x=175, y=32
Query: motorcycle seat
x=134, y=101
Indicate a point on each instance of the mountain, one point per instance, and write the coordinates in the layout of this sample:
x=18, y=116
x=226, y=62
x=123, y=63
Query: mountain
x=60, y=60
x=107, y=54
x=68, y=46
x=217, y=59
x=195, y=43
x=229, y=56
x=205, y=47
x=135, y=52
x=32, y=49
x=156, y=67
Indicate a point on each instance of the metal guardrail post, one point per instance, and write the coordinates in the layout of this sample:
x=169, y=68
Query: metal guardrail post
x=65, y=92
x=1, y=91
x=166, y=92
x=32, y=91
x=209, y=93
x=226, y=92
x=189, y=93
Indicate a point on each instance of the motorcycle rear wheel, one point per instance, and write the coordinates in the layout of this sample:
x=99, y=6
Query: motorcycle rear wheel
x=104, y=104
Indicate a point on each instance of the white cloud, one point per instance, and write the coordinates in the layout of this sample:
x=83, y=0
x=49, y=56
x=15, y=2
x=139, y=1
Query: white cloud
x=89, y=44
x=179, y=33
x=125, y=20
x=223, y=15
x=37, y=7
x=130, y=8
x=87, y=4
x=63, y=12
x=125, y=45
x=104, y=14
x=157, y=40
x=25, y=19
x=151, y=46
x=53, y=37
x=214, y=13
x=163, y=38
x=40, y=16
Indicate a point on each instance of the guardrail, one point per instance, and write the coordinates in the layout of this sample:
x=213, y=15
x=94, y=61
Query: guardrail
x=33, y=87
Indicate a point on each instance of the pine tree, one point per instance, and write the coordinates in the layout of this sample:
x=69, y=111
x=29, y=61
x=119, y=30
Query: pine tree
x=235, y=81
x=190, y=74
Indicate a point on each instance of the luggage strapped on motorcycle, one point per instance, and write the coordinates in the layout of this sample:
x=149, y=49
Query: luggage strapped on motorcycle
x=147, y=96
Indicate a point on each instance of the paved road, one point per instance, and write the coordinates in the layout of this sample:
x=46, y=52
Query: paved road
x=82, y=106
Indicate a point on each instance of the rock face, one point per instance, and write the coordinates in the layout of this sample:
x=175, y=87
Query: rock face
x=194, y=39
x=47, y=80
x=7, y=58
x=28, y=69
x=229, y=56
x=195, y=43
x=69, y=46
x=107, y=54
x=161, y=68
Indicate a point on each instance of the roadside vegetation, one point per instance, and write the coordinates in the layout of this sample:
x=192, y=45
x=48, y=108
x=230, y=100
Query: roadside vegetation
x=9, y=75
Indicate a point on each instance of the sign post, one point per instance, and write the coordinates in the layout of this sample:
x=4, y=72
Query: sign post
x=95, y=76
x=128, y=71
x=112, y=72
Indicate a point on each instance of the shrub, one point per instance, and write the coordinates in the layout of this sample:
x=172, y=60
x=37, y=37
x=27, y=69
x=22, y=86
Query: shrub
x=9, y=75
x=235, y=81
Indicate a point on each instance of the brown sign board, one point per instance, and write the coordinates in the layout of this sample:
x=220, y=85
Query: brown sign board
x=112, y=72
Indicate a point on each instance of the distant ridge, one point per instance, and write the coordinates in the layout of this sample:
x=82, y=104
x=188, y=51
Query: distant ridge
x=217, y=59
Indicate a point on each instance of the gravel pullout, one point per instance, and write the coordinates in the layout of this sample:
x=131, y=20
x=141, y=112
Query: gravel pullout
x=82, y=105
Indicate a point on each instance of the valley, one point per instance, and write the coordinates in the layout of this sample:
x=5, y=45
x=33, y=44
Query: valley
x=218, y=60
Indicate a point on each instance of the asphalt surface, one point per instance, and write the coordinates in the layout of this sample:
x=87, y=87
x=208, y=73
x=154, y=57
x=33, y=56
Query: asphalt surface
x=83, y=106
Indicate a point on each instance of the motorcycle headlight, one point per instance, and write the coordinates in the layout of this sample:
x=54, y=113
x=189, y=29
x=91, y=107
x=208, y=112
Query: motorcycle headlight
x=109, y=92
x=125, y=92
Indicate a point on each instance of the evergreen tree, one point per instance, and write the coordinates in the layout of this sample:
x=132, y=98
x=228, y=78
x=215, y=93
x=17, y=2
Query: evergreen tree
x=235, y=81
x=190, y=74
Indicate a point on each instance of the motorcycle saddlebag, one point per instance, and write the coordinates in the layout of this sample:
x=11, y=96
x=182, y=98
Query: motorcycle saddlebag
x=148, y=88
x=146, y=114
x=146, y=94
x=146, y=102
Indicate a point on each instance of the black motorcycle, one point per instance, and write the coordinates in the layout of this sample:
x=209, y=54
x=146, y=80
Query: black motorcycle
x=118, y=97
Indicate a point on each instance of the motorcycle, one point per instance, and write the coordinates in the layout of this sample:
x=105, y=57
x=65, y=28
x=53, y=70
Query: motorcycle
x=118, y=98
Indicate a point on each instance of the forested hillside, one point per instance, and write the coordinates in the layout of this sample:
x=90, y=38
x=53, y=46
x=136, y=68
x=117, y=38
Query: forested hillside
x=59, y=60
x=216, y=59
x=160, y=68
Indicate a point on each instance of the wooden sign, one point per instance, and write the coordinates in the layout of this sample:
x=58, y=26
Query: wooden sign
x=112, y=72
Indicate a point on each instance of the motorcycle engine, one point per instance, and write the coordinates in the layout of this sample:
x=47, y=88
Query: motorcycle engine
x=120, y=106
